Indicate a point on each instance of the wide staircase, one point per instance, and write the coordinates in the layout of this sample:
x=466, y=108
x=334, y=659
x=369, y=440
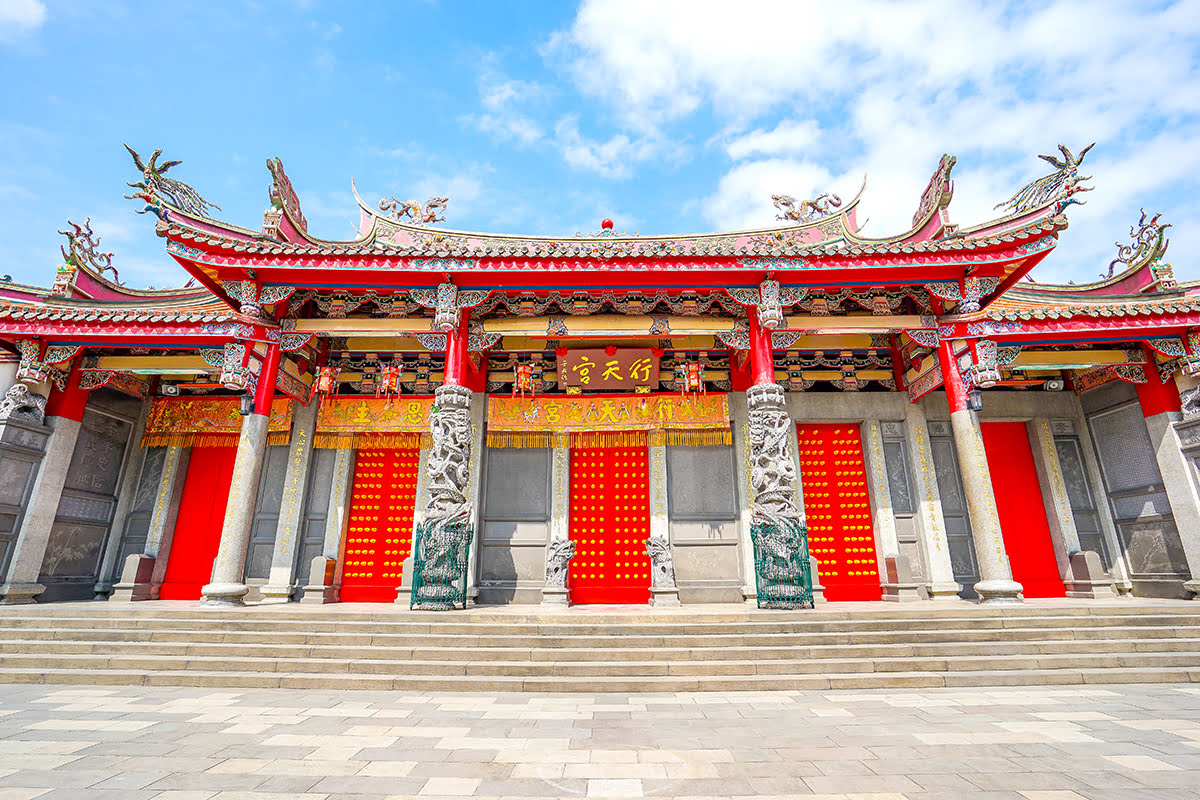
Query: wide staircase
x=693, y=649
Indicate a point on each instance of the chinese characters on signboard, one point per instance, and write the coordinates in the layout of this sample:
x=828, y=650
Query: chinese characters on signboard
x=597, y=371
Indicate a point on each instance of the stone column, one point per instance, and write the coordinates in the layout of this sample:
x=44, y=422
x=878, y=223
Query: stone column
x=559, y=549
x=281, y=583
x=663, y=591
x=897, y=583
x=931, y=526
x=777, y=524
x=1161, y=406
x=227, y=586
x=132, y=466
x=337, y=517
x=474, y=492
x=996, y=584
x=162, y=520
x=64, y=416
x=442, y=544
x=1063, y=534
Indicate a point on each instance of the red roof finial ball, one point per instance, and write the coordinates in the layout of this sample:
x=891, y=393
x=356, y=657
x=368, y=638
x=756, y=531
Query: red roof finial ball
x=606, y=224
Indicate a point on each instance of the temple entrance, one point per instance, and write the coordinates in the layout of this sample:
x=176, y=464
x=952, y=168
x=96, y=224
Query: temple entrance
x=197, y=535
x=379, y=530
x=840, y=533
x=1022, y=512
x=610, y=521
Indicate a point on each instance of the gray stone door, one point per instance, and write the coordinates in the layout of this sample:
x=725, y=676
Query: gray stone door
x=516, y=525
x=21, y=447
x=1079, y=494
x=76, y=543
x=1145, y=524
x=266, y=514
x=141, y=509
x=954, y=508
x=316, y=509
x=904, y=506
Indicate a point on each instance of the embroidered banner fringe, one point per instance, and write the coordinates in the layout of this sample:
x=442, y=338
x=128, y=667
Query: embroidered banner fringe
x=208, y=439
x=362, y=441
x=592, y=439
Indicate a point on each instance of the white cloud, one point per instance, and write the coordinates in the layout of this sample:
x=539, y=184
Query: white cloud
x=502, y=99
x=789, y=136
x=614, y=158
x=20, y=17
x=831, y=91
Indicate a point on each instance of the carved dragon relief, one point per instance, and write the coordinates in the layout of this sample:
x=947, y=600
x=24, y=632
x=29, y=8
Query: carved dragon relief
x=446, y=531
x=431, y=212
x=806, y=210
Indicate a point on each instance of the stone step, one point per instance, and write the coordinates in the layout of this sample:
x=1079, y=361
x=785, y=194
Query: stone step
x=157, y=663
x=528, y=654
x=649, y=684
x=675, y=640
x=222, y=621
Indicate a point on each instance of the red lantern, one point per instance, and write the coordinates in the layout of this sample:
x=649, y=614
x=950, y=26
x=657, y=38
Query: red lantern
x=389, y=380
x=327, y=380
x=524, y=381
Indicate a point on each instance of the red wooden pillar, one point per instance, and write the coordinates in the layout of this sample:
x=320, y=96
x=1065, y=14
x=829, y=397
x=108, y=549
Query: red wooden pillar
x=1156, y=395
x=956, y=393
x=264, y=392
x=762, y=359
x=70, y=401
x=456, y=352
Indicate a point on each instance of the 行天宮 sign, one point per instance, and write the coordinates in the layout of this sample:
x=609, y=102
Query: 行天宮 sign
x=596, y=370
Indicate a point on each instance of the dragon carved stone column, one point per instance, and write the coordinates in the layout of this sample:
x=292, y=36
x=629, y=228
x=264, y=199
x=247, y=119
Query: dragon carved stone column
x=441, y=549
x=777, y=527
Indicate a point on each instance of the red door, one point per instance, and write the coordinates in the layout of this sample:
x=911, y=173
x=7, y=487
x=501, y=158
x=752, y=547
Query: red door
x=840, y=533
x=1022, y=512
x=198, y=525
x=610, y=521
x=379, y=532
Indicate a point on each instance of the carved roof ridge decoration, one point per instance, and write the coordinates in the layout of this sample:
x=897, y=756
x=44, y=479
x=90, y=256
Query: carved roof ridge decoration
x=601, y=248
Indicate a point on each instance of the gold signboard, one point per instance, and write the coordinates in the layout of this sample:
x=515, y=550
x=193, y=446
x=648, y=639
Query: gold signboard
x=609, y=370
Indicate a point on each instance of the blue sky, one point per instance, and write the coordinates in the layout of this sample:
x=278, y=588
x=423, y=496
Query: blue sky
x=545, y=117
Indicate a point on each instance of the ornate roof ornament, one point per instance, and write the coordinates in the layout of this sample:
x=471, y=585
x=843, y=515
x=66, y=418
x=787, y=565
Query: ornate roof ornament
x=283, y=195
x=1149, y=241
x=155, y=186
x=418, y=214
x=1062, y=183
x=938, y=191
x=82, y=249
x=806, y=210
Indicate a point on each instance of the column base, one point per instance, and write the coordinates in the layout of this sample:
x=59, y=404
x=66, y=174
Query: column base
x=1193, y=587
x=136, y=584
x=817, y=589
x=558, y=596
x=276, y=595
x=944, y=591
x=664, y=598
x=224, y=594
x=319, y=595
x=19, y=594
x=999, y=592
x=1086, y=578
x=901, y=592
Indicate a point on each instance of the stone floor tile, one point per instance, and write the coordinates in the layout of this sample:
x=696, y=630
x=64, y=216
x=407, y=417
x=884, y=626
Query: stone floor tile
x=449, y=787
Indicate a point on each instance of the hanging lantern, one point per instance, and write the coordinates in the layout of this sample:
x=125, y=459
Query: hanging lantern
x=689, y=376
x=389, y=380
x=524, y=382
x=327, y=380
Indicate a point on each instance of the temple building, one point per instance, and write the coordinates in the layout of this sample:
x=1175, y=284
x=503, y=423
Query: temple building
x=441, y=418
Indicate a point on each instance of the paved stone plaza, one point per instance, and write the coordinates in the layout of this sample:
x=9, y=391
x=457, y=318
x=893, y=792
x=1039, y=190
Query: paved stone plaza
x=1024, y=743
